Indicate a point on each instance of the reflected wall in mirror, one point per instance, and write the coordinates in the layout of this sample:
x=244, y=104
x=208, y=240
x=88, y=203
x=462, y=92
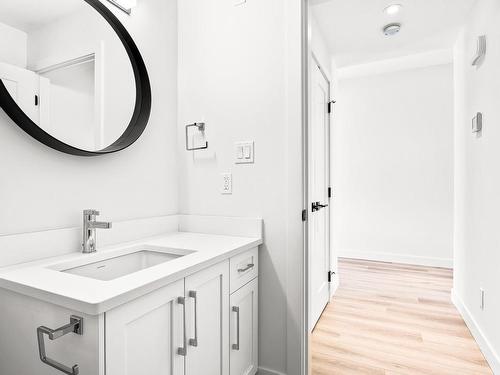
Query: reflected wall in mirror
x=75, y=75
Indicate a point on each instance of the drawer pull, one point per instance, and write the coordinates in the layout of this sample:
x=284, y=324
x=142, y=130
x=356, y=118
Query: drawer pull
x=249, y=266
x=75, y=326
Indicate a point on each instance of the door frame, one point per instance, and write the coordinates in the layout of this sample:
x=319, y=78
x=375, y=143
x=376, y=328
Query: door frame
x=297, y=69
x=315, y=64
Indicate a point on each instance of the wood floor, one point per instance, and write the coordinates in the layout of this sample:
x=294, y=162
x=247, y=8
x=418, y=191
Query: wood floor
x=393, y=319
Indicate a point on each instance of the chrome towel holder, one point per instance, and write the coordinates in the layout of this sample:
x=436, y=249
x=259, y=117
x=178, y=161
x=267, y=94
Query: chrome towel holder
x=75, y=326
x=201, y=127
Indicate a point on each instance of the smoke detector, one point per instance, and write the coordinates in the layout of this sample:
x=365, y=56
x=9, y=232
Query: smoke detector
x=391, y=29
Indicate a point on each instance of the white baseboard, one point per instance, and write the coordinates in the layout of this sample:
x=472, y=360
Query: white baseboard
x=396, y=258
x=266, y=371
x=488, y=351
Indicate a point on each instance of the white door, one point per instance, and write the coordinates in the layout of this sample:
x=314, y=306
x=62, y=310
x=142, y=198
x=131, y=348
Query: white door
x=244, y=330
x=143, y=336
x=319, y=248
x=207, y=321
x=22, y=85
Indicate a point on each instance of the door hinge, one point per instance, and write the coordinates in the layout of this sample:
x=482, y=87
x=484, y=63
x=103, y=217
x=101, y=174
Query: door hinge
x=330, y=105
x=329, y=192
x=304, y=215
x=330, y=273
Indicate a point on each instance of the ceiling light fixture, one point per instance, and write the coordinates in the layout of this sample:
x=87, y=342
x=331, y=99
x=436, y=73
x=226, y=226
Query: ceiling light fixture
x=391, y=29
x=393, y=9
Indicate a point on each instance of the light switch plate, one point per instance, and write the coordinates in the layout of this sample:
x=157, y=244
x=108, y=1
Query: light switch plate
x=226, y=183
x=244, y=152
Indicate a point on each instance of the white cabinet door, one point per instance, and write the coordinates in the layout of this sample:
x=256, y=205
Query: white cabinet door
x=207, y=321
x=244, y=330
x=143, y=336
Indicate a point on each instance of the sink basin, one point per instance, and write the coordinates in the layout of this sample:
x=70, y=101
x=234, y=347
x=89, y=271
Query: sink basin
x=122, y=265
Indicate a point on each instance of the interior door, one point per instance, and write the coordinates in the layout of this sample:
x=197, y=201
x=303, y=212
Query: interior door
x=23, y=85
x=143, y=336
x=319, y=247
x=207, y=321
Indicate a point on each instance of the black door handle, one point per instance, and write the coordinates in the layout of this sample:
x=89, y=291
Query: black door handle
x=316, y=206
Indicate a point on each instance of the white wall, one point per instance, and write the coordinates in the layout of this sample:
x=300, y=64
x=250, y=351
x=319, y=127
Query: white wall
x=477, y=180
x=42, y=189
x=233, y=73
x=13, y=44
x=393, y=166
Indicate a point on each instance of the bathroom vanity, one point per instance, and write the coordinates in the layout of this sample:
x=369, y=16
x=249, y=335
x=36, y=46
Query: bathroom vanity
x=173, y=304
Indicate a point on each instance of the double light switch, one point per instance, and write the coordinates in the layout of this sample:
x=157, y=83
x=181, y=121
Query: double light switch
x=244, y=152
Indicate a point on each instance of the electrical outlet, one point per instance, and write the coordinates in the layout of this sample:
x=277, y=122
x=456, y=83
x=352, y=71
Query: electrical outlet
x=481, y=296
x=226, y=183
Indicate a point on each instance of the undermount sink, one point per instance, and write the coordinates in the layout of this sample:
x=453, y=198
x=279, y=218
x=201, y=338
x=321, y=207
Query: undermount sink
x=125, y=264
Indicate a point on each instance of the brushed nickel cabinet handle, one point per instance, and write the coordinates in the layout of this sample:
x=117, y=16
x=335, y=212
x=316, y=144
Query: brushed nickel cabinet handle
x=237, y=345
x=249, y=266
x=182, y=350
x=194, y=342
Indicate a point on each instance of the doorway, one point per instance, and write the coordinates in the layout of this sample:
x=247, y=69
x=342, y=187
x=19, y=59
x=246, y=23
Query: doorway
x=393, y=172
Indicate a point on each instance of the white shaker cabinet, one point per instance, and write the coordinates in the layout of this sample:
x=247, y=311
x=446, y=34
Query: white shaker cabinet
x=244, y=329
x=181, y=329
x=143, y=336
x=204, y=323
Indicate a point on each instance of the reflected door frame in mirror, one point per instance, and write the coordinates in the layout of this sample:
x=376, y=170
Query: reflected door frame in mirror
x=142, y=107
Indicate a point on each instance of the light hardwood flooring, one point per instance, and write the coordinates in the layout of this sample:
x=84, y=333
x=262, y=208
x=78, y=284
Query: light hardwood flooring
x=393, y=319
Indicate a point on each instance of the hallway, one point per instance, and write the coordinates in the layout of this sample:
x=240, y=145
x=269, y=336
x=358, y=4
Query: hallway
x=394, y=319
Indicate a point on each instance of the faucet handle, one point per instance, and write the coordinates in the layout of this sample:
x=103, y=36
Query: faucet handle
x=91, y=212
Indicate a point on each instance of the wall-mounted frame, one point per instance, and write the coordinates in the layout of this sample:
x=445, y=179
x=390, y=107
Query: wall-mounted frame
x=142, y=108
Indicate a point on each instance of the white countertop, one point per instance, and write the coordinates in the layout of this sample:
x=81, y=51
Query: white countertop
x=42, y=280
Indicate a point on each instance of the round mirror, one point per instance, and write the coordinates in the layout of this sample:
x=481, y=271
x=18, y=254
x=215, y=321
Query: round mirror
x=71, y=76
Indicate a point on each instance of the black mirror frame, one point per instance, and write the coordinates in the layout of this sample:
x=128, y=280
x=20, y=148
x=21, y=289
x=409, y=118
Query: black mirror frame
x=142, y=108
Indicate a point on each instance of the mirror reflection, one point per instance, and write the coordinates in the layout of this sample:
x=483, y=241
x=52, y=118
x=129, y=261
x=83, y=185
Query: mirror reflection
x=67, y=70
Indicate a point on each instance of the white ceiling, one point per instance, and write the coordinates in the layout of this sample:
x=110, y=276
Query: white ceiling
x=353, y=28
x=27, y=15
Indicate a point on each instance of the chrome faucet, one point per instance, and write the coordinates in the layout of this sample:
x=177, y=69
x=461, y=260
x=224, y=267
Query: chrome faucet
x=89, y=230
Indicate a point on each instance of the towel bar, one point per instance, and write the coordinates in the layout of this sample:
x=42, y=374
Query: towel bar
x=201, y=127
x=75, y=326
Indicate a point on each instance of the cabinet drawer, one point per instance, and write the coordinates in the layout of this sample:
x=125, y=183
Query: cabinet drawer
x=243, y=268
